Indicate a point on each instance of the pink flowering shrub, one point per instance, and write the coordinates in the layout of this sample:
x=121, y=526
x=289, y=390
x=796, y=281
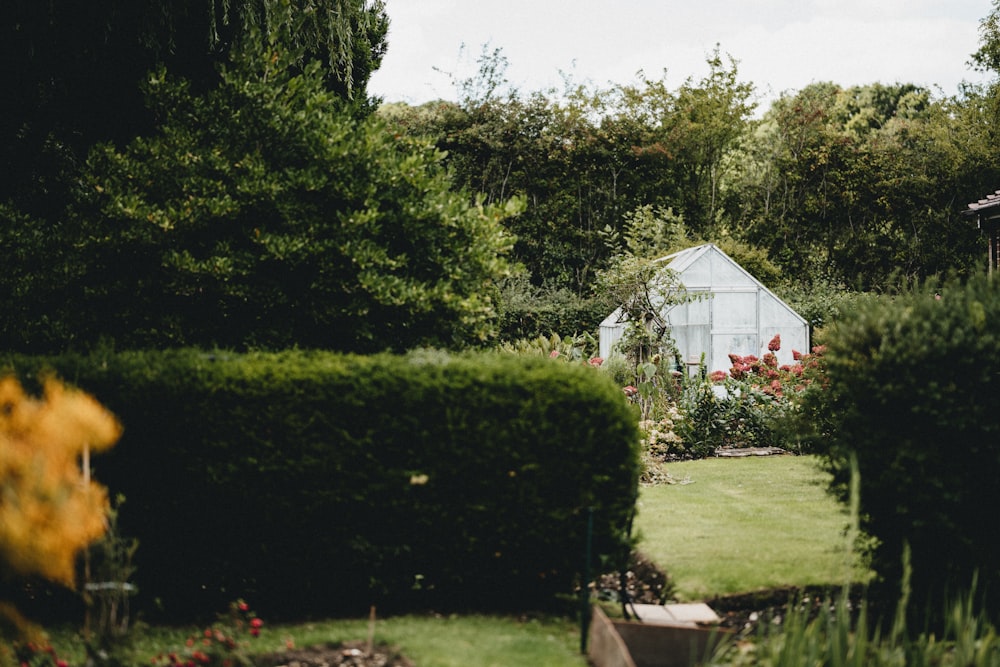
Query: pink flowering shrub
x=34, y=654
x=748, y=406
x=766, y=375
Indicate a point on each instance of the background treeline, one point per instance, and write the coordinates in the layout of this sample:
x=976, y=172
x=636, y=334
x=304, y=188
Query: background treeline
x=837, y=188
x=215, y=173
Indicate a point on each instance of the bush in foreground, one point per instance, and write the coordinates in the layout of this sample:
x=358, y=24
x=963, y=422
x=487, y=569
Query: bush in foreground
x=913, y=393
x=320, y=483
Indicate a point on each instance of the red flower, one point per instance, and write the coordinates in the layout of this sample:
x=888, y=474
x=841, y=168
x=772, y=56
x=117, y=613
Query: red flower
x=770, y=360
x=255, y=632
x=796, y=355
x=256, y=623
x=734, y=358
x=243, y=606
x=775, y=343
x=717, y=376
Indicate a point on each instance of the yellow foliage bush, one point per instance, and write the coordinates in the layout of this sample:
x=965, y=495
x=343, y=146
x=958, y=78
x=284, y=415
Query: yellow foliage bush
x=49, y=508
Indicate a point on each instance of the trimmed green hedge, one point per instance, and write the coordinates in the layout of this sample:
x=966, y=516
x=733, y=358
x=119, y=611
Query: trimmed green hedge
x=316, y=483
x=914, y=393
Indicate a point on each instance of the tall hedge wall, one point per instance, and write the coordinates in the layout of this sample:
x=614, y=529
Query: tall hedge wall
x=316, y=483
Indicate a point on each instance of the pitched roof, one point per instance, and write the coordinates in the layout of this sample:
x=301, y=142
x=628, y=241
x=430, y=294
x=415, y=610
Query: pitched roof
x=989, y=201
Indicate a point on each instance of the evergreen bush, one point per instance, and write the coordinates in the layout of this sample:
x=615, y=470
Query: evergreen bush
x=913, y=392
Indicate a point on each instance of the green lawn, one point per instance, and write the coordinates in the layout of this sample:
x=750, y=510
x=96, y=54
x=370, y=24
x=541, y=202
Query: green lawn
x=745, y=524
x=428, y=640
x=454, y=641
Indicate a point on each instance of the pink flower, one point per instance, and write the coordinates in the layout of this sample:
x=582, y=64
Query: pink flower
x=595, y=361
x=243, y=606
x=775, y=343
x=630, y=391
x=717, y=376
x=256, y=623
x=553, y=354
x=734, y=358
x=770, y=360
x=819, y=349
x=796, y=355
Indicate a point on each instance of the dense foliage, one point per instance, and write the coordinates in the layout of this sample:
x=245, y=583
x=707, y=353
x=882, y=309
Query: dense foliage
x=912, y=393
x=316, y=483
x=857, y=187
x=260, y=213
x=72, y=71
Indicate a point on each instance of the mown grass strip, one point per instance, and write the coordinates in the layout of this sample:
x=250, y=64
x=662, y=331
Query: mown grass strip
x=739, y=525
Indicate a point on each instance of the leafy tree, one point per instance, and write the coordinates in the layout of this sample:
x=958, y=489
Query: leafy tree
x=264, y=213
x=688, y=135
x=858, y=185
x=987, y=57
x=72, y=71
x=586, y=158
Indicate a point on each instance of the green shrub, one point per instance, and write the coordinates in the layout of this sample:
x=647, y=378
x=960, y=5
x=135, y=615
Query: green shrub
x=528, y=312
x=821, y=302
x=913, y=391
x=317, y=483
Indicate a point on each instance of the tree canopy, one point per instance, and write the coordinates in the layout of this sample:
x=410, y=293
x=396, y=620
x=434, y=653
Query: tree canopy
x=73, y=71
x=859, y=186
x=261, y=212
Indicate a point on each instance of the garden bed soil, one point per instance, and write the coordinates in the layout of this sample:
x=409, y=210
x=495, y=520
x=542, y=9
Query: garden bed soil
x=743, y=612
x=347, y=654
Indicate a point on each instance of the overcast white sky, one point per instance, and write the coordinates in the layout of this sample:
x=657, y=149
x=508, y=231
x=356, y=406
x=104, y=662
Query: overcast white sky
x=781, y=45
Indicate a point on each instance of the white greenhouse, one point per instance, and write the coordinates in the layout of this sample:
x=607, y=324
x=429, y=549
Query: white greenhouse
x=737, y=315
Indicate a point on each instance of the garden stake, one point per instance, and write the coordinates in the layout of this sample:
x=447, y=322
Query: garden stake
x=585, y=588
x=371, y=630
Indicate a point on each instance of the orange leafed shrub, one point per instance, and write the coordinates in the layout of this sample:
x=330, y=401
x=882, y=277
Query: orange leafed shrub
x=49, y=509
